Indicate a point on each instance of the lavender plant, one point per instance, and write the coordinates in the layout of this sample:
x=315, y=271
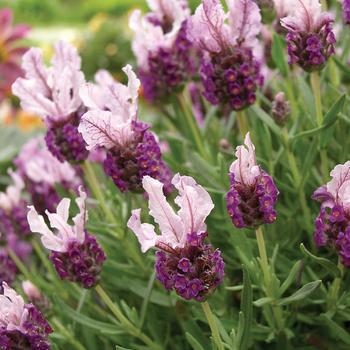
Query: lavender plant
x=236, y=253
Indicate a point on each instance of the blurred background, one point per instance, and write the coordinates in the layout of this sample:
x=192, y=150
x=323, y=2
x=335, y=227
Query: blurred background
x=99, y=29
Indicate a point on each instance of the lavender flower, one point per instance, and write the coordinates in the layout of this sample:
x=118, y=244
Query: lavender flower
x=163, y=52
x=230, y=70
x=111, y=122
x=41, y=172
x=22, y=326
x=35, y=296
x=184, y=262
x=253, y=194
x=8, y=269
x=14, y=228
x=310, y=35
x=346, y=11
x=75, y=253
x=280, y=109
x=332, y=225
x=53, y=94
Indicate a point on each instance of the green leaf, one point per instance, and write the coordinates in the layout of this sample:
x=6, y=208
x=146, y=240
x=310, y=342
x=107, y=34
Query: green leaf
x=291, y=277
x=103, y=327
x=335, y=329
x=327, y=264
x=262, y=301
x=341, y=66
x=329, y=119
x=278, y=54
x=193, y=342
x=243, y=337
x=300, y=294
x=265, y=118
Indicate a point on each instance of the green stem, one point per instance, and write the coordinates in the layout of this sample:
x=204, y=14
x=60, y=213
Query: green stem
x=21, y=267
x=264, y=263
x=335, y=287
x=297, y=178
x=213, y=325
x=68, y=335
x=316, y=87
x=96, y=190
x=291, y=97
x=127, y=325
x=193, y=127
x=243, y=124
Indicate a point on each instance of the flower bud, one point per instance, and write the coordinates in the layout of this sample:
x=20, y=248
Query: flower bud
x=280, y=109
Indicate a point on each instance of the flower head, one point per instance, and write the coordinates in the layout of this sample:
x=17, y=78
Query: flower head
x=164, y=54
x=310, y=35
x=230, y=67
x=75, y=253
x=41, y=172
x=253, y=194
x=346, y=11
x=112, y=109
x=213, y=30
x=332, y=225
x=65, y=233
x=52, y=93
x=111, y=122
x=195, y=205
x=10, y=52
x=184, y=262
x=38, y=165
x=20, y=323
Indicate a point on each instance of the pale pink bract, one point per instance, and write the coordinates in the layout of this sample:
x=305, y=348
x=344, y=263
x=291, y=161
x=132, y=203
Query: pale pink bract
x=245, y=168
x=195, y=205
x=112, y=109
x=66, y=233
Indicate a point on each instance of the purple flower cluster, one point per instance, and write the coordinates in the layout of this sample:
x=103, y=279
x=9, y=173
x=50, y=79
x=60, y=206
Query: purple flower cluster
x=43, y=196
x=332, y=229
x=127, y=165
x=32, y=335
x=252, y=205
x=231, y=78
x=81, y=263
x=311, y=51
x=66, y=143
x=193, y=271
x=168, y=68
x=14, y=230
x=8, y=268
x=346, y=11
x=280, y=109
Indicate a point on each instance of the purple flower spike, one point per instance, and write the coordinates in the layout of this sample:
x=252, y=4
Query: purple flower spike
x=310, y=35
x=332, y=225
x=184, y=262
x=163, y=51
x=22, y=326
x=346, y=11
x=76, y=255
x=253, y=195
x=53, y=94
x=132, y=149
x=230, y=71
x=8, y=269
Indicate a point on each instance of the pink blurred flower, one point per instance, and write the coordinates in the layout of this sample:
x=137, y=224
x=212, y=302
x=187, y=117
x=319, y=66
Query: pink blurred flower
x=10, y=52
